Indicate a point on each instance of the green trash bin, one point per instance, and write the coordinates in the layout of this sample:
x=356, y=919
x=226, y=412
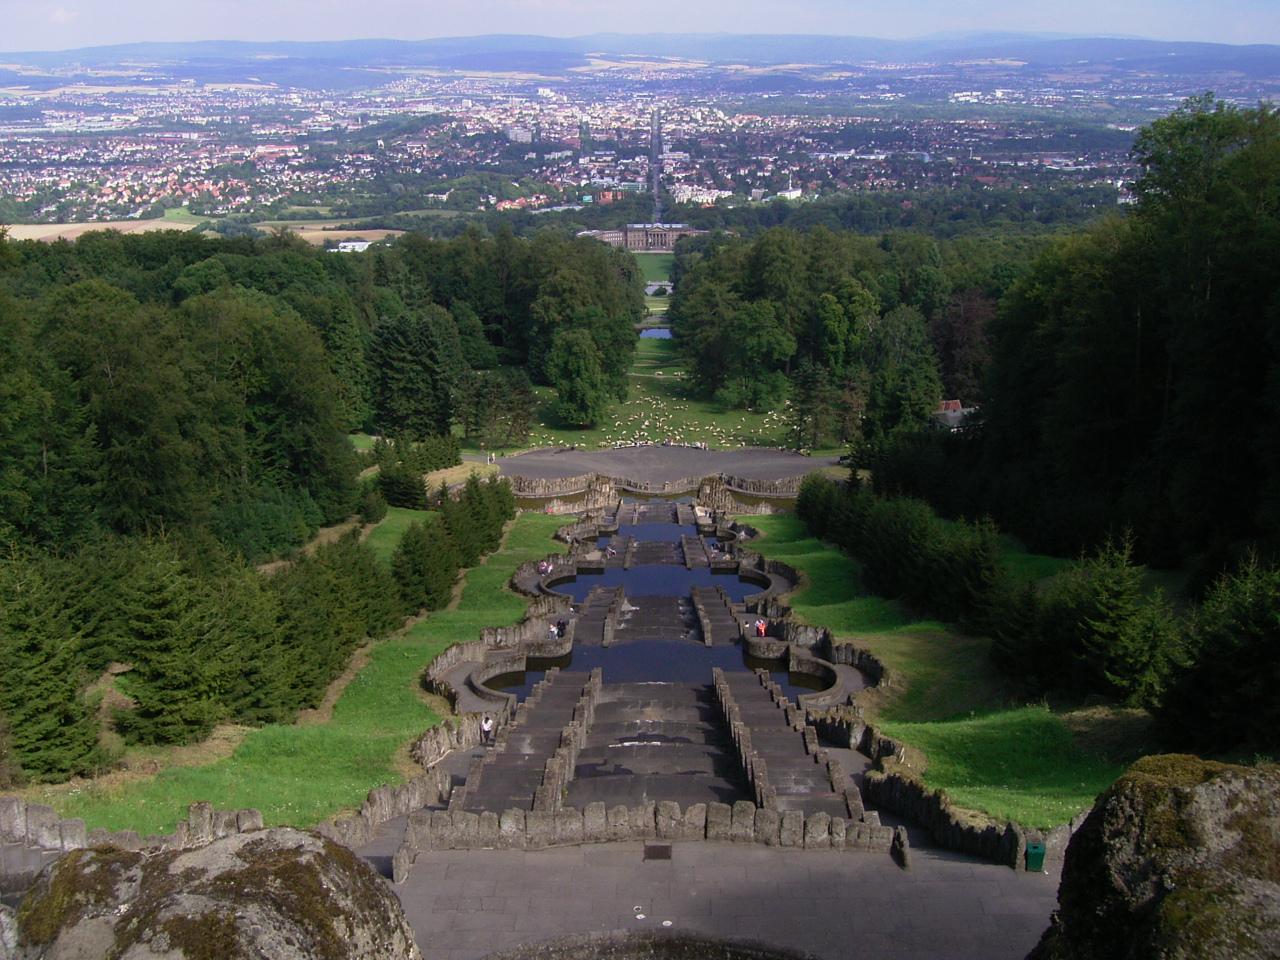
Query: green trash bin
x=1035, y=856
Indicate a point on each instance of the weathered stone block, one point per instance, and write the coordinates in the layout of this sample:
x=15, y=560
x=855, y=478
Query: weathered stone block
x=418, y=831
x=860, y=838
x=42, y=827
x=766, y=827
x=595, y=823
x=817, y=832
x=441, y=830
x=13, y=819
x=466, y=829
x=249, y=819
x=73, y=834
x=402, y=863
x=791, y=831
x=512, y=832
x=719, y=821
x=200, y=823
x=742, y=826
x=643, y=826
x=695, y=822
x=668, y=824
x=540, y=829
x=487, y=837
x=619, y=823
x=568, y=827
x=839, y=826
x=225, y=824
x=881, y=838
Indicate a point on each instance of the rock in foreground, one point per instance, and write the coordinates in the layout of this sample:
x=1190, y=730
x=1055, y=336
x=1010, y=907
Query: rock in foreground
x=1180, y=858
x=275, y=894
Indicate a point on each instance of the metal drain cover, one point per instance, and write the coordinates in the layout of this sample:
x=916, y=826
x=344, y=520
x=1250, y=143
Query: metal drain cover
x=657, y=851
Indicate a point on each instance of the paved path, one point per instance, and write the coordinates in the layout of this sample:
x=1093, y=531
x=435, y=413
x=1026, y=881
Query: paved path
x=658, y=464
x=464, y=905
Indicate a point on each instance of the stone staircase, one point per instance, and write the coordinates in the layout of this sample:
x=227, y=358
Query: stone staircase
x=648, y=552
x=511, y=774
x=657, y=618
x=593, y=626
x=791, y=770
x=715, y=615
x=657, y=741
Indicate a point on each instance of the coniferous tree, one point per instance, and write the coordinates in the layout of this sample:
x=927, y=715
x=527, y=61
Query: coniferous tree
x=53, y=734
x=172, y=680
x=425, y=565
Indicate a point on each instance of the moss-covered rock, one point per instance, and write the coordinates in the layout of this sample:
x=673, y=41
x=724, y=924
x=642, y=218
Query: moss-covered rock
x=279, y=894
x=1180, y=858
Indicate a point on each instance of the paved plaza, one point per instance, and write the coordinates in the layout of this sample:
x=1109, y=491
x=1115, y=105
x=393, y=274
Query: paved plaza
x=464, y=905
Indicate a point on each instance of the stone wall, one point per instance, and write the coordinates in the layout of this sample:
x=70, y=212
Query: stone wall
x=32, y=835
x=743, y=822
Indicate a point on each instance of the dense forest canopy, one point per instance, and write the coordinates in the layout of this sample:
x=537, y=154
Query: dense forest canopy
x=174, y=408
x=1134, y=379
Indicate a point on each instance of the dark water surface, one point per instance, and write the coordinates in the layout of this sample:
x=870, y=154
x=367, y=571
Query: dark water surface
x=652, y=661
x=657, y=580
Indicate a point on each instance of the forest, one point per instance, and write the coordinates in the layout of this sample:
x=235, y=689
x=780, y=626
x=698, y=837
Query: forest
x=176, y=409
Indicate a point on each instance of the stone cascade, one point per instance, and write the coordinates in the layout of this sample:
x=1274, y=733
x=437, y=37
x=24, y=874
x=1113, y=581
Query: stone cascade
x=597, y=617
x=511, y=773
x=650, y=552
x=694, y=552
x=770, y=729
x=653, y=741
x=716, y=616
x=657, y=618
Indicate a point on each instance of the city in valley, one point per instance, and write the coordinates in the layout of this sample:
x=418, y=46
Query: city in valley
x=379, y=139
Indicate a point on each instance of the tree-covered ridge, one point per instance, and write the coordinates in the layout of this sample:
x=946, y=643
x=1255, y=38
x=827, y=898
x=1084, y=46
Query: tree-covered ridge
x=1135, y=372
x=165, y=381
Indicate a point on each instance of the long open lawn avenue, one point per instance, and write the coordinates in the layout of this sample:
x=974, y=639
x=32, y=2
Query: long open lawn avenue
x=303, y=774
x=947, y=701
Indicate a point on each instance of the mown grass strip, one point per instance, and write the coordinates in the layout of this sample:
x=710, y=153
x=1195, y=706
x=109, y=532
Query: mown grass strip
x=301, y=775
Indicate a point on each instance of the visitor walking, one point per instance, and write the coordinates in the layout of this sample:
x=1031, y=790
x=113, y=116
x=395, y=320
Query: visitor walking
x=486, y=729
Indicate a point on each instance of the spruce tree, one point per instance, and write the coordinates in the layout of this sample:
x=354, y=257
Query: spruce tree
x=425, y=565
x=172, y=677
x=53, y=734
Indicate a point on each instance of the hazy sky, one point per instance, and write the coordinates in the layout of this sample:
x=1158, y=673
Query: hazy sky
x=60, y=24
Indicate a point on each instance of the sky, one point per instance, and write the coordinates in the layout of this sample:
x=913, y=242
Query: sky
x=65, y=24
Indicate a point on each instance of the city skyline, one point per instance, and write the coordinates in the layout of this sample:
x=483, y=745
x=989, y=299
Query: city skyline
x=72, y=24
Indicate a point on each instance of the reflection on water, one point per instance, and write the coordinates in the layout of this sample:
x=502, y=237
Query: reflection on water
x=655, y=661
x=657, y=580
x=655, y=333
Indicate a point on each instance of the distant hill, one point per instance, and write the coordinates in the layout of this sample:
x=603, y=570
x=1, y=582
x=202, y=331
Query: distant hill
x=348, y=62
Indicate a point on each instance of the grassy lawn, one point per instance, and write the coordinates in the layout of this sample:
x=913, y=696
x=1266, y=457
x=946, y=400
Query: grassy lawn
x=361, y=441
x=385, y=537
x=301, y=775
x=658, y=407
x=947, y=701
x=656, y=266
x=657, y=306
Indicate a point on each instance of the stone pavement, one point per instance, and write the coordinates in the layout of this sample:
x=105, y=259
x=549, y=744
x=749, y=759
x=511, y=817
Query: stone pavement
x=464, y=905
